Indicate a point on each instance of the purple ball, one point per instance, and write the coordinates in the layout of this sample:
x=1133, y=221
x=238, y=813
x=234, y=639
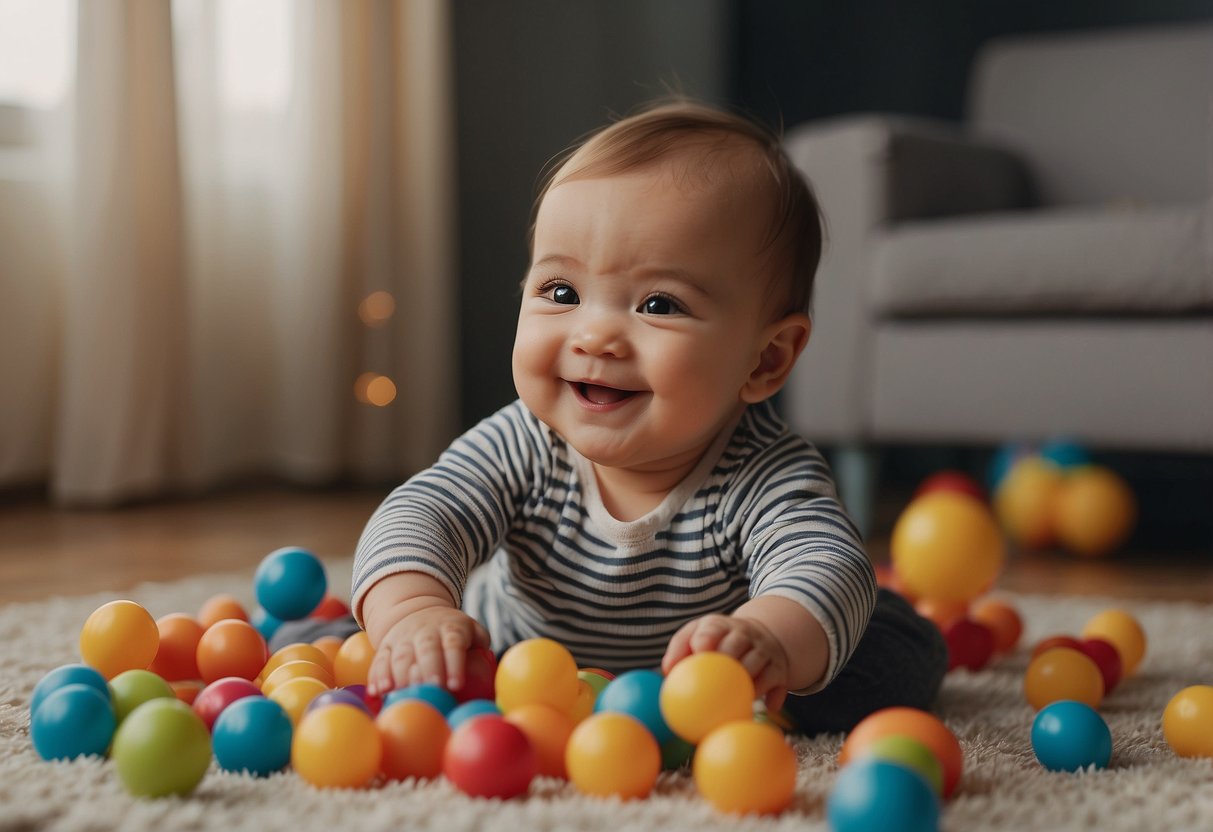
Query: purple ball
x=340, y=696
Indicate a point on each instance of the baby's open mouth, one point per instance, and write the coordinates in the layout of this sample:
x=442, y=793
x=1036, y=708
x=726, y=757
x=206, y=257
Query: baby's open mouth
x=597, y=394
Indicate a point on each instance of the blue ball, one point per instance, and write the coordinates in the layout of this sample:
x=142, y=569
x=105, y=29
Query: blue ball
x=77, y=720
x=290, y=583
x=1000, y=465
x=472, y=708
x=265, y=623
x=873, y=795
x=439, y=697
x=1068, y=736
x=1065, y=453
x=68, y=674
x=252, y=735
x=638, y=694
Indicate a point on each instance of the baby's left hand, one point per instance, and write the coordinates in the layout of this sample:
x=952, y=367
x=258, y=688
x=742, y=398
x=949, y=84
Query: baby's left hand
x=746, y=640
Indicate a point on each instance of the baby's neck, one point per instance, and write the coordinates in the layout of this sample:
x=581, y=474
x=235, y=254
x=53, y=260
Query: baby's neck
x=629, y=495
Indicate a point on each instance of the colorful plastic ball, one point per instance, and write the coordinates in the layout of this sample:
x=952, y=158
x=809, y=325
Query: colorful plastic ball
x=328, y=645
x=337, y=747
x=118, y=636
x=704, y=691
x=909, y=752
x=1187, y=722
x=745, y=767
x=74, y=720
x=947, y=546
x=1068, y=736
x=595, y=681
x=1003, y=620
x=177, y=656
x=612, y=755
x=161, y=748
x=220, y=608
x=676, y=753
x=330, y=608
x=265, y=623
x=479, y=674
x=538, y=671
x=1095, y=511
x=941, y=613
x=464, y=711
x=253, y=735
x=353, y=660
x=293, y=670
x=373, y=703
x=338, y=696
x=436, y=695
x=913, y=723
x=548, y=731
x=638, y=693
x=231, y=647
x=68, y=674
x=949, y=480
x=1025, y=501
x=1064, y=453
x=414, y=736
x=295, y=652
x=586, y=699
x=1056, y=641
x=290, y=583
x=216, y=696
x=294, y=695
x=1106, y=658
x=490, y=757
x=1062, y=673
x=1002, y=460
x=187, y=690
x=131, y=688
x=874, y=795
x=1124, y=632
x=970, y=644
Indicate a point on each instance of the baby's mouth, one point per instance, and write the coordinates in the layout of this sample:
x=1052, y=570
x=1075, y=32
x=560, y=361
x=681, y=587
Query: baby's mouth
x=598, y=394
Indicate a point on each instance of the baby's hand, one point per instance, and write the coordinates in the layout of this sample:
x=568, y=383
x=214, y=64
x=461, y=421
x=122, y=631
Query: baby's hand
x=746, y=640
x=429, y=645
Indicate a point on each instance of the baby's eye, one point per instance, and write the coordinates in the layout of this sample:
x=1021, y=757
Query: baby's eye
x=661, y=305
x=560, y=293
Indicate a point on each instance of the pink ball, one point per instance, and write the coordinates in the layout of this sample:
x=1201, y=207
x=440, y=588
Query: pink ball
x=219, y=694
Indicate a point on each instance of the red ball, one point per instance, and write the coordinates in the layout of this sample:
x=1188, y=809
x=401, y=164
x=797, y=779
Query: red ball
x=970, y=644
x=489, y=757
x=479, y=671
x=330, y=608
x=219, y=694
x=1056, y=641
x=951, y=481
x=1106, y=658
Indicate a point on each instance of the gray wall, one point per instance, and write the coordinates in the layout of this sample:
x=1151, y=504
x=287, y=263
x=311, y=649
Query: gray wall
x=531, y=77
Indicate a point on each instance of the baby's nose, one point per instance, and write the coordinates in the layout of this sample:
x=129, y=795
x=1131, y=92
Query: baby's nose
x=600, y=335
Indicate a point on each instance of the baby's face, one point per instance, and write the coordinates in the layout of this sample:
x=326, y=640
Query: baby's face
x=642, y=315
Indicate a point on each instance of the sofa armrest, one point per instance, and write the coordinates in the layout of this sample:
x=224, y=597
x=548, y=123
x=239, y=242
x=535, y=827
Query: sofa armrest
x=869, y=171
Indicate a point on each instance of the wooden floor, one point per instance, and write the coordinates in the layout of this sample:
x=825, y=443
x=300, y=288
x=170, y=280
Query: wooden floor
x=44, y=551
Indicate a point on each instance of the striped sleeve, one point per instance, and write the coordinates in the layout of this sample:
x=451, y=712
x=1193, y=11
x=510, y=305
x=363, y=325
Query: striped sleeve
x=451, y=517
x=799, y=543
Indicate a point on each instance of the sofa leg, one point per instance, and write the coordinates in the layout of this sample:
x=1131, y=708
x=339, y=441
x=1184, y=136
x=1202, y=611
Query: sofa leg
x=855, y=470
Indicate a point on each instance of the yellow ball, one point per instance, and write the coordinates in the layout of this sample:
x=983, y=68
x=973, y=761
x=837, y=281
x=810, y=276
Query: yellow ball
x=946, y=546
x=746, y=767
x=1095, y=511
x=337, y=747
x=119, y=636
x=298, y=651
x=294, y=695
x=538, y=671
x=353, y=660
x=293, y=670
x=1187, y=722
x=1125, y=634
x=612, y=755
x=703, y=692
x=1025, y=501
x=1063, y=673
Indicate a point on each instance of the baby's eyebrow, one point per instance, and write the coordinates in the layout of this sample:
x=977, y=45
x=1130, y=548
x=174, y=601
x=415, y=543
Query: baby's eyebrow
x=686, y=278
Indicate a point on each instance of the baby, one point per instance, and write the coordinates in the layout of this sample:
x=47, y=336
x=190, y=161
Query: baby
x=641, y=500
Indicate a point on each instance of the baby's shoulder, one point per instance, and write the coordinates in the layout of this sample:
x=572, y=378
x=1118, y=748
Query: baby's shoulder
x=764, y=454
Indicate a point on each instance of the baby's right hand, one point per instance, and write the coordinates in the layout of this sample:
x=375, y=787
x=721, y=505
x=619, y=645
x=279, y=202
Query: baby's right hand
x=429, y=645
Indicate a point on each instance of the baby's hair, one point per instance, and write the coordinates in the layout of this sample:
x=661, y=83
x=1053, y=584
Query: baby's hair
x=669, y=126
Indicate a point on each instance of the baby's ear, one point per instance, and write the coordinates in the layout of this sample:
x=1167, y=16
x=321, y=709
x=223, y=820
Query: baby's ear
x=781, y=344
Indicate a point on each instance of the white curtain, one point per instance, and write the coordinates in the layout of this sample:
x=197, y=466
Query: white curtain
x=230, y=196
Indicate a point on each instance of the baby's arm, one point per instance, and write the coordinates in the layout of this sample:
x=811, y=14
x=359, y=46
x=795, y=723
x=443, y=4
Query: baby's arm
x=418, y=633
x=776, y=639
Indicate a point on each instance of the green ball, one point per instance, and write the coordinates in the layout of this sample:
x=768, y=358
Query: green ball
x=130, y=689
x=161, y=748
x=909, y=753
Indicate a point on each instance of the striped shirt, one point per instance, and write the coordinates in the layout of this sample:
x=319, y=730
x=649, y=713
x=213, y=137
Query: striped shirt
x=757, y=516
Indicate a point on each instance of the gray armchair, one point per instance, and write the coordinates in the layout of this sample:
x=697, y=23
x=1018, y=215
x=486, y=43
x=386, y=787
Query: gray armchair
x=1044, y=268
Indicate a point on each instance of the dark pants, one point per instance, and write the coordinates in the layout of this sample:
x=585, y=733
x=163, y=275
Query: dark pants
x=900, y=660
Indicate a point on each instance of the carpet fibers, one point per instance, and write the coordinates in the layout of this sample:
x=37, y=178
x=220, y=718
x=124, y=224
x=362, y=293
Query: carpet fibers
x=1145, y=788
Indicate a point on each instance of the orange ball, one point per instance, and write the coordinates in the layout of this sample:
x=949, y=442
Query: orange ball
x=293, y=670
x=586, y=697
x=704, y=691
x=613, y=755
x=537, y=671
x=1025, y=501
x=941, y=613
x=353, y=660
x=1063, y=673
x=294, y=695
x=297, y=652
x=1187, y=722
x=913, y=723
x=231, y=647
x=1002, y=619
x=1123, y=632
x=177, y=657
x=414, y=735
x=1095, y=511
x=219, y=608
x=337, y=747
x=947, y=546
x=187, y=690
x=746, y=767
x=548, y=731
x=328, y=645
x=119, y=636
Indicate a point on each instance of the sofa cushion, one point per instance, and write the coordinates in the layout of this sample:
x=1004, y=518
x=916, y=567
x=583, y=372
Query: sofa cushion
x=1126, y=260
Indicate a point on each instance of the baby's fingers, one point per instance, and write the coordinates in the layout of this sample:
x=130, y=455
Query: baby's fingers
x=431, y=661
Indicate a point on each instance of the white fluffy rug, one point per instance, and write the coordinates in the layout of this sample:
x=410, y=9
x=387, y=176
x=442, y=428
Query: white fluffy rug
x=1146, y=786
